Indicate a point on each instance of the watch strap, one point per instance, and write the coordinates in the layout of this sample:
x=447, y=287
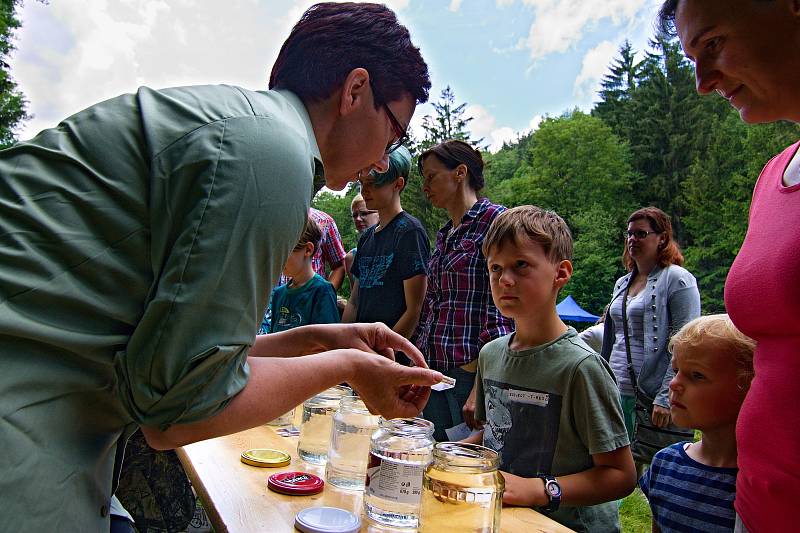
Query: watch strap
x=554, y=496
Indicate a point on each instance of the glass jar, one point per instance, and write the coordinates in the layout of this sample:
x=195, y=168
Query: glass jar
x=285, y=419
x=315, y=428
x=462, y=490
x=400, y=451
x=348, y=452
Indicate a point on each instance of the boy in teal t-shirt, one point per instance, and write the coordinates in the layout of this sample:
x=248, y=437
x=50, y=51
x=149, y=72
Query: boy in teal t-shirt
x=308, y=298
x=549, y=402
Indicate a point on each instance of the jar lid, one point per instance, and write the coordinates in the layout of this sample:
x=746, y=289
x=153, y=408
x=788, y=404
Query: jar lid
x=327, y=520
x=295, y=483
x=266, y=458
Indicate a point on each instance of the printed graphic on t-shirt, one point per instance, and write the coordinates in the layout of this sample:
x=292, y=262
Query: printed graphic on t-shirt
x=372, y=270
x=287, y=319
x=522, y=426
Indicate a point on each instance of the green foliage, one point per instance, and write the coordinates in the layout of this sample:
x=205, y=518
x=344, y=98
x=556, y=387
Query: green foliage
x=717, y=197
x=577, y=167
x=598, y=247
x=651, y=140
x=448, y=123
x=13, y=105
x=338, y=207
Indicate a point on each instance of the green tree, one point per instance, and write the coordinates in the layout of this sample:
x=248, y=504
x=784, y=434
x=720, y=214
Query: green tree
x=338, y=207
x=717, y=197
x=576, y=166
x=448, y=123
x=618, y=87
x=13, y=105
x=596, y=261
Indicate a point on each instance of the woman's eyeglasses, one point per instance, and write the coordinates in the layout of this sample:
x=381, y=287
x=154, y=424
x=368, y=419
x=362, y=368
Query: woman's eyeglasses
x=363, y=214
x=638, y=234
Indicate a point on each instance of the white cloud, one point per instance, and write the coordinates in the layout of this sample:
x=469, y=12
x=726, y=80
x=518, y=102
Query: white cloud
x=455, y=5
x=560, y=24
x=73, y=54
x=594, y=66
x=484, y=124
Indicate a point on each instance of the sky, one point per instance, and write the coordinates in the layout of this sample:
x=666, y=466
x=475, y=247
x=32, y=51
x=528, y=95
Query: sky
x=512, y=61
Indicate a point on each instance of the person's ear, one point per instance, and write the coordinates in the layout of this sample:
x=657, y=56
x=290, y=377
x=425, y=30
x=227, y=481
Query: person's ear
x=461, y=172
x=309, y=249
x=399, y=184
x=354, y=91
x=563, y=273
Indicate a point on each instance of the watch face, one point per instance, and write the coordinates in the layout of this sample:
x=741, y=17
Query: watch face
x=553, y=489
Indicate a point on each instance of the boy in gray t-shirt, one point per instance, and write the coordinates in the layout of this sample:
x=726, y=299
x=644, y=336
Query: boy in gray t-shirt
x=550, y=403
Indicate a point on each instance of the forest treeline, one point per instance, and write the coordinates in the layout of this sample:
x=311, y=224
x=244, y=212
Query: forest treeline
x=649, y=140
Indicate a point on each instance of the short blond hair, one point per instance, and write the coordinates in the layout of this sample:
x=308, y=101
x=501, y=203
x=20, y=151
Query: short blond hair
x=540, y=225
x=719, y=331
x=357, y=199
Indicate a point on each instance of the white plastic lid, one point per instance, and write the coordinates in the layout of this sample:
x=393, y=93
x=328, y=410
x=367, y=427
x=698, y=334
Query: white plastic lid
x=327, y=520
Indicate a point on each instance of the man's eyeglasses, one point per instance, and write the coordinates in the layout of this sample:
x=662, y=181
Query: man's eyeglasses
x=363, y=214
x=638, y=234
x=399, y=130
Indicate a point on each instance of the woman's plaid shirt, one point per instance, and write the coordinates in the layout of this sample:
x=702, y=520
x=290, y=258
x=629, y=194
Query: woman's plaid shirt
x=459, y=316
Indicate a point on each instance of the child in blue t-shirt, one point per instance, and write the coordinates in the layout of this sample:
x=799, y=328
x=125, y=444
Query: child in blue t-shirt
x=308, y=298
x=691, y=486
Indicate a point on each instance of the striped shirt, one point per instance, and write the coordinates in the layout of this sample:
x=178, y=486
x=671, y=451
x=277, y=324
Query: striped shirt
x=619, y=357
x=459, y=316
x=329, y=251
x=685, y=495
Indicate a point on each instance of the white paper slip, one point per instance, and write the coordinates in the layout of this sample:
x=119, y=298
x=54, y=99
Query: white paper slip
x=460, y=432
x=446, y=383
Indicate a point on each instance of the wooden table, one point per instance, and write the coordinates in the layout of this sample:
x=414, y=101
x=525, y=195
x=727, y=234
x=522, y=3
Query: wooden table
x=237, y=499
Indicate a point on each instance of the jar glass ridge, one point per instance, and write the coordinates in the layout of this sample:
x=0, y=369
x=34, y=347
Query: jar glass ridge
x=462, y=489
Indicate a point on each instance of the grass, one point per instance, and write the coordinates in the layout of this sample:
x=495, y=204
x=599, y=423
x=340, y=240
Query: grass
x=634, y=513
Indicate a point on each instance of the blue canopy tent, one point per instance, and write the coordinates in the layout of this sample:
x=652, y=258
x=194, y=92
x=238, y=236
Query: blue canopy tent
x=569, y=309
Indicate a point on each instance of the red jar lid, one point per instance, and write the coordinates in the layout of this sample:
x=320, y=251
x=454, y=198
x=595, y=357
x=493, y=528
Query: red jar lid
x=295, y=483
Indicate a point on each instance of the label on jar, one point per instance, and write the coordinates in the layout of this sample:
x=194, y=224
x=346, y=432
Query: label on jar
x=396, y=482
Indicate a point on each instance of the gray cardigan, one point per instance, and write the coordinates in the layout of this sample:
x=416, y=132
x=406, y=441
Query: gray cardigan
x=672, y=300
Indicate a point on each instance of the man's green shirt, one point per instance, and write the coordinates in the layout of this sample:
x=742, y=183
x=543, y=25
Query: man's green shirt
x=139, y=241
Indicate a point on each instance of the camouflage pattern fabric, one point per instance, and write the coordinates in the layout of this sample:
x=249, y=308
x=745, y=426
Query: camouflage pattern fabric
x=154, y=488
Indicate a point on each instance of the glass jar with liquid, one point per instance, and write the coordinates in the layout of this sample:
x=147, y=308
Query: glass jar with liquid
x=400, y=451
x=462, y=490
x=285, y=419
x=315, y=428
x=348, y=452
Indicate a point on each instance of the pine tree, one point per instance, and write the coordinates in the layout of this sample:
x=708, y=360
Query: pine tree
x=13, y=105
x=448, y=123
x=618, y=86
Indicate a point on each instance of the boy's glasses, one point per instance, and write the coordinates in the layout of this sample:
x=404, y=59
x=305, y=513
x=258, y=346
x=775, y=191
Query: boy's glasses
x=400, y=132
x=363, y=214
x=638, y=234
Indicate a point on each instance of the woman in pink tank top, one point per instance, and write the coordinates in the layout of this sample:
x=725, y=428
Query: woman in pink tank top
x=748, y=51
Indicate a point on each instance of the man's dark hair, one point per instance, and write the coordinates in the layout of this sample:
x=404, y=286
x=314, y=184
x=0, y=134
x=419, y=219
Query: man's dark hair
x=331, y=39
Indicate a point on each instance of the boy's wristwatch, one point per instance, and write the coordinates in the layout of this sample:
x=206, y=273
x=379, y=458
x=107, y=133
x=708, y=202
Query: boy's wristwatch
x=553, y=491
